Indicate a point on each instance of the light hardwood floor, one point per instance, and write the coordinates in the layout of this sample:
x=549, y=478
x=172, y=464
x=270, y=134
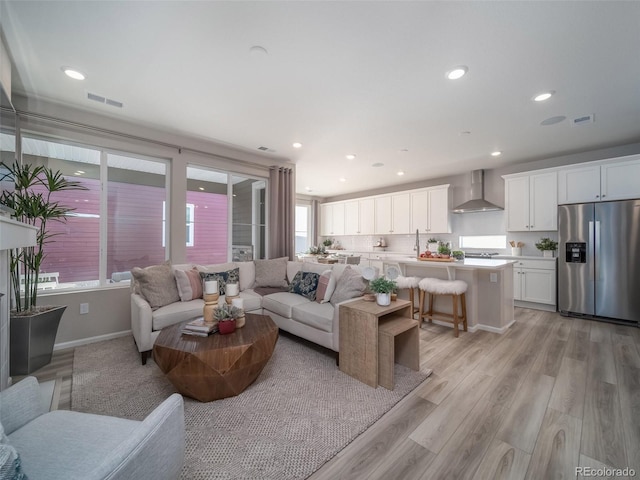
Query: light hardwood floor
x=551, y=394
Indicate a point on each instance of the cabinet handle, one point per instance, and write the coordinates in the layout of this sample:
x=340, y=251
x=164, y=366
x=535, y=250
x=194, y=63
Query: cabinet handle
x=597, y=196
x=531, y=226
x=603, y=195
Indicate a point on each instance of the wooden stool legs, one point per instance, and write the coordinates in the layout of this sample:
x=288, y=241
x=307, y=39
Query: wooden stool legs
x=454, y=318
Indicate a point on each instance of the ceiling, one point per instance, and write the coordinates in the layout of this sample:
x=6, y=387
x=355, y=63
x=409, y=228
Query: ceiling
x=363, y=78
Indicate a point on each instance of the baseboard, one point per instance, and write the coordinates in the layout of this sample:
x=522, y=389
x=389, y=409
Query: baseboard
x=535, y=306
x=479, y=326
x=87, y=341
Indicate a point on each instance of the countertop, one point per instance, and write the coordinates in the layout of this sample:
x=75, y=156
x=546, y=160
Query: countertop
x=467, y=263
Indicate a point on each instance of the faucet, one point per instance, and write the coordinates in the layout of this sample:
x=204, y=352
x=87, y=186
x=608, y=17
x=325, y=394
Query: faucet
x=416, y=247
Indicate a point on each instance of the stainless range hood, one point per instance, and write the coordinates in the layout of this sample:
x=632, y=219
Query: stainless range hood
x=477, y=202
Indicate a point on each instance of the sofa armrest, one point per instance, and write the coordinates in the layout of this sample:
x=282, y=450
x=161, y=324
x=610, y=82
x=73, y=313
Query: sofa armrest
x=141, y=322
x=20, y=404
x=156, y=449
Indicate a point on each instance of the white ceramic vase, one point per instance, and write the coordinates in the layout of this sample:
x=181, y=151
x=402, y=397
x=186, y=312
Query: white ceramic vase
x=516, y=251
x=383, y=299
x=547, y=253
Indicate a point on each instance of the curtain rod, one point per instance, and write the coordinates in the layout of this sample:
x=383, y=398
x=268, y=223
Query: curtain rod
x=179, y=148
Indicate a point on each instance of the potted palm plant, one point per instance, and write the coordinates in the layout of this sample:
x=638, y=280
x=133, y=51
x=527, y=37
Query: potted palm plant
x=382, y=287
x=33, y=328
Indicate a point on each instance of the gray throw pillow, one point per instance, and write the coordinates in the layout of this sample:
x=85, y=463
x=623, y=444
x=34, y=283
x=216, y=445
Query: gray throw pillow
x=350, y=285
x=272, y=272
x=157, y=284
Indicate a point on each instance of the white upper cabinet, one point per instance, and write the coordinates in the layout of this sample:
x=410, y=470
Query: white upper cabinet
x=615, y=179
x=430, y=210
x=531, y=202
x=332, y=219
x=359, y=217
x=392, y=214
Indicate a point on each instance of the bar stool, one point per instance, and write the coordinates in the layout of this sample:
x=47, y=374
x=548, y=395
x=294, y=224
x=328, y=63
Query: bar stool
x=455, y=289
x=410, y=283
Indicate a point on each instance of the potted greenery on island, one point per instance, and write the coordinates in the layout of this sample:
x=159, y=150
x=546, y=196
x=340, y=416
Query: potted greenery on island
x=383, y=288
x=33, y=328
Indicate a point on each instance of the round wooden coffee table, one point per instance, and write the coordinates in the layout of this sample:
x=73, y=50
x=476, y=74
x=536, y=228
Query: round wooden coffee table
x=217, y=366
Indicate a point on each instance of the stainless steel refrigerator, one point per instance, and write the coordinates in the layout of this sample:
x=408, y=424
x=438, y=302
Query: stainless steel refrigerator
x=599, y=260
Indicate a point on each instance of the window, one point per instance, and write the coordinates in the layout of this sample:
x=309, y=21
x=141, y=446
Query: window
x=303, y=228
x=191, y=208
x=117, y=223
x=249, y=218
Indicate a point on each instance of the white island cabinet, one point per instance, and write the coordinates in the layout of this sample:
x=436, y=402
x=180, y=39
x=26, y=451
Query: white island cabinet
x=489, y=294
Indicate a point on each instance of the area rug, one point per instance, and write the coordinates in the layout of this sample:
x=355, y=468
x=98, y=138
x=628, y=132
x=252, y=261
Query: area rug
x=298, y=414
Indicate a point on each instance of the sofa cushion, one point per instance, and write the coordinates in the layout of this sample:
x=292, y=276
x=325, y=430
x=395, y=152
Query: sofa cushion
x=350, y=285
x=315, y=315
x=215, y=268
x=305, y=284
x=272, y=272
x=223, y=278
x=247, y=274
x=282, y=303
x=157, y=284
x=326, y=286
x=292, y=269
x=189, y=284
x=252, y=301
x=62, y=444
x=315, y=267
x=176, y=312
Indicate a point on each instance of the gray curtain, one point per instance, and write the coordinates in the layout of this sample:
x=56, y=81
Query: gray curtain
x=282, y=204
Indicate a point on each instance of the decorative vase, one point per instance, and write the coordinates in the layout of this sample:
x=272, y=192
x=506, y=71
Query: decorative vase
x=240, y=321
x=383, y=299
x=432, y=247
x=394, y=297
x=547, y=253
x=228, y=326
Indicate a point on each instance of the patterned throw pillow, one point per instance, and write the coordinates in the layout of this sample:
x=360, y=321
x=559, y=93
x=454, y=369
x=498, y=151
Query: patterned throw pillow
x=223, y=278
x=189, y=284
x=305, y=284
x=326, y=286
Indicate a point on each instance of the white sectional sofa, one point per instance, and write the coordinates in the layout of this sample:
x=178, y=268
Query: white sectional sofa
x=294, y=313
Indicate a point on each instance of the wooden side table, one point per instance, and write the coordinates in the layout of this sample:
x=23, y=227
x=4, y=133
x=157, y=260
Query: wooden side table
x=372, y=338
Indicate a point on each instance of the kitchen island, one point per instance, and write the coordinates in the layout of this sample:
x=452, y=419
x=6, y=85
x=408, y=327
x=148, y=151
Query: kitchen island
x=490, y=287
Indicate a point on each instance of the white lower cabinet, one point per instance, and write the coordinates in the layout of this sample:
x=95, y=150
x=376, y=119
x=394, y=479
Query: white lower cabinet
x=534, y=282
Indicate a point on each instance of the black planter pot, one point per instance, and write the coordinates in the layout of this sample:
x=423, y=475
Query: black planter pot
x=31, y=340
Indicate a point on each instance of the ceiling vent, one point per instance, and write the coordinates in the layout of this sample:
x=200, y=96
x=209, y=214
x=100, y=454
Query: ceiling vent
x=477, y=202
x=107, y=101
x=264, y=149
x=584, y=120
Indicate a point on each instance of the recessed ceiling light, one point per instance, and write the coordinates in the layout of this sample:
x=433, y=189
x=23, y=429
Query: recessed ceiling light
x=73, y=73
x=343, y=179
x=297, y=145
x=457, y=72
x=378, y=164
x=351, y=156
x=541, y=97
x=497, y=153
x=308, y=189
x=400, y=173
x=201, y=188
x=79, y=172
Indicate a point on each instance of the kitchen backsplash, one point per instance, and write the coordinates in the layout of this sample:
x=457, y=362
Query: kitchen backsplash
x=485, y=223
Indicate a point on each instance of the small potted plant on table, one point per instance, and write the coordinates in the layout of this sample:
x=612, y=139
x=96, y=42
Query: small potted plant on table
x=547, y=246
x=226, y=316
x=383, y=288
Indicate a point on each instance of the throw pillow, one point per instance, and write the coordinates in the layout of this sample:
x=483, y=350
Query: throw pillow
x=223, y=278
x=157, y=284
x=189, y=284
x=326, y=286
x=350, y=285
x=247, y=274
x=305, y=284
x=10, y=463
x=272, y=272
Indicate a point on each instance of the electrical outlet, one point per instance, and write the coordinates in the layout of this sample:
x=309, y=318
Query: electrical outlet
x=493, y=277
x=84, y=308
